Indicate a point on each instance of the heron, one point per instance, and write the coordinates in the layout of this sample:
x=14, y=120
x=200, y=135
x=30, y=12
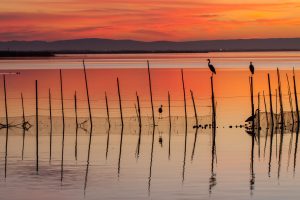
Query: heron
x=211, y=67
x=160, y=110
x=251, y=67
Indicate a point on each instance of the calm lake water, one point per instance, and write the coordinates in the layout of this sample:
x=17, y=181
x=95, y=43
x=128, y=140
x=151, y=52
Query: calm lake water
x=165, y=162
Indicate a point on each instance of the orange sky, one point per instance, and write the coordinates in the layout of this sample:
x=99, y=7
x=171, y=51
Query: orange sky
x=176, y=20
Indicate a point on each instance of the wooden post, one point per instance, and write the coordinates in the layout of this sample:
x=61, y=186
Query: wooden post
x=107, y=110
x=23, y=125
x=280, y=99
x=7, y=123
x=150, y=86
x=107, y=142
x=37, y=125
x=296, y=97
x=276, y=118
x=185, y=114
x=298, y=125
x=253, y=127
x=170, y=123
x=195, y=110
x=213, y=102
x=63, y=121
x=121, y=140
x=266, y=111
x=139, y=110
x=5, y=101
x=76, y=121
x=151, y=162
x=88, y=99
x=282, y=124
x=258, y=122
x=91, y=121
x=290, y=98
x=50, y=115
x=271, y=106
x=140, y=125
x=184, y=97
x=120, y=151
x=120, y=102
x=169, y=104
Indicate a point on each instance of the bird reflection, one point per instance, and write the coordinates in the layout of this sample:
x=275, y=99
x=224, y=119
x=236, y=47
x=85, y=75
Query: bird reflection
x=160, y=139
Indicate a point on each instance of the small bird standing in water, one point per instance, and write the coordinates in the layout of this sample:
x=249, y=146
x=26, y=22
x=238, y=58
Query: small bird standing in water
x=160, y=110
x=251, y=67
x=211, y=67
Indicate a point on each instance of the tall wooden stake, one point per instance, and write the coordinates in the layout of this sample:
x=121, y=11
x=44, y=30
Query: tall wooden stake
x=280, y=99
x=120, y=102
x=23, y=125
x=253, y=126
x=37, y=125
x=7, y=124
x=184, y=97
x=296, y=97
x=107, y=110
x=150, y=86
x=50, y=115
x=266, y=111
x=139, y=109
x=63, y=121
x=271, y=105
x=258, y=122
x=290, y=98
x=88, y=99
x=76, y=121
x=195, y=110
x=213, y=102
x=170, y=123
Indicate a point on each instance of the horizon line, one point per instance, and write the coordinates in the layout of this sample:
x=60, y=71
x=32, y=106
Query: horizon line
x=152, y=41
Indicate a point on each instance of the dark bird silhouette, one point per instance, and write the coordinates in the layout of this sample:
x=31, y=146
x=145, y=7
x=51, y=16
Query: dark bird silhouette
x=160, y=110
x=251, y=67
x=250, y=119
x=211, y=67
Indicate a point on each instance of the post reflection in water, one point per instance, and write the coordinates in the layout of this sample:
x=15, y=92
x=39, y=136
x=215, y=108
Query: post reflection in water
x=147, y=170
x=151, y=162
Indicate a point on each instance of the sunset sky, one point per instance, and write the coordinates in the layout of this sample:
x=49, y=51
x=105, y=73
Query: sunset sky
x=177, y=20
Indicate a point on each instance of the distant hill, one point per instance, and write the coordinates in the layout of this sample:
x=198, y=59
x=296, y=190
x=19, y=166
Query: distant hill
x=107, y=45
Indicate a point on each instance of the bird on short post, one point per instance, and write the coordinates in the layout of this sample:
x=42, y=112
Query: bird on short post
x=160, y=110
x=211, y=67
x=251, y=67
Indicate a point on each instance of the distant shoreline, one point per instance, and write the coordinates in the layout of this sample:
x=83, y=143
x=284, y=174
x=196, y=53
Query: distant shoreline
x=16, y=54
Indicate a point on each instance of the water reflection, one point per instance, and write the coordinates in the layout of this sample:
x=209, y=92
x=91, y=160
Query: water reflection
x=151, y=162
x=123, y=144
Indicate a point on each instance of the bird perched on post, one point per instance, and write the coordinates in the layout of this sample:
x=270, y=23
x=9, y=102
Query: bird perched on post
x=251, y=67
x=160, y=110
x=211, y=67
